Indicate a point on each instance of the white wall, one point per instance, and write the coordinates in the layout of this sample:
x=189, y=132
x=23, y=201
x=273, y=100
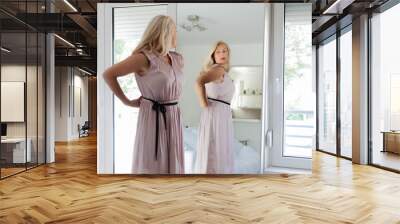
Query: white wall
x=12, y=73
x=12, y=101
x=61, y=103
x=222, y=22
x=250, y=131
x=33, y=126
x=68, y=81
x=81, y=83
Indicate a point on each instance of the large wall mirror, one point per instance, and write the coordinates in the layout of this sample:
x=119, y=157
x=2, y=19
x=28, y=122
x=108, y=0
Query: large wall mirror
x=199, y=28
x=253, y=34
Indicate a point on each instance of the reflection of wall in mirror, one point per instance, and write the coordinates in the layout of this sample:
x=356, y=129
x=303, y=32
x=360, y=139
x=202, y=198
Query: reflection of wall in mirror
x=248, y=132
x=247, y=100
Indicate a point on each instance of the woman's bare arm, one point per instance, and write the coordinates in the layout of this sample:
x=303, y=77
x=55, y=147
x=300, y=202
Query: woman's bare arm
x=213, y=74
x=136, y=63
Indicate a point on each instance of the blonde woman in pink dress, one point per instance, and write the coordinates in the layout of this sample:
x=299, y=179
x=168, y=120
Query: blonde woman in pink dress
x=158, y=71
x=215, y=153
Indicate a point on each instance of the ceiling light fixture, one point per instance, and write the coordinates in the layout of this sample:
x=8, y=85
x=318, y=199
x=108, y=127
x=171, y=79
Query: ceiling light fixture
x=5, y=50
x=70, y=5
x=84, y=71
x=64, y=40
x=80, y=51
x=337, y=7
x=194, y=24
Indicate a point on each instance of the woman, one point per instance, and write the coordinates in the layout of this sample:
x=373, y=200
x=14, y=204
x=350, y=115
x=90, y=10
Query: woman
x=158, y=71
x=215, y=90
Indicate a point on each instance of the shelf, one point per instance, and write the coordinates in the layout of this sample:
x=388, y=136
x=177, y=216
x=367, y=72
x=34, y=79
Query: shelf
x=246, y=120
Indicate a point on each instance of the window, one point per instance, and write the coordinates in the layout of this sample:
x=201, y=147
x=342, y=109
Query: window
x=299, y=103
x=327, y=96
x=385, y=89
x=346, y=94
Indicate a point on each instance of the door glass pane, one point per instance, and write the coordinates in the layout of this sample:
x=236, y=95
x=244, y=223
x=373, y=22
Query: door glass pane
x=299, y=103
x=129, y=25
x=327, y=97
x=31, y=100
x=385, y=84
x=13, y=87
x=31, y=89
x=41, y=98
x=346, y=94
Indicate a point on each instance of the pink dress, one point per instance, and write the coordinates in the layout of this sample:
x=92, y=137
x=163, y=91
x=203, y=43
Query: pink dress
x=159, y=144
x=215, y=153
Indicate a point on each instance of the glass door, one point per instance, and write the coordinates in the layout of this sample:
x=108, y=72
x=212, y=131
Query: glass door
x=346, y=93
x=291, y=133
x=15, y=151
x=327, y=96
x=385, y=90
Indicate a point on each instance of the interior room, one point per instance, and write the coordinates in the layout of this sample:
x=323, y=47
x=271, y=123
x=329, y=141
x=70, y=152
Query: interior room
x=22, y=99
x=26, y=62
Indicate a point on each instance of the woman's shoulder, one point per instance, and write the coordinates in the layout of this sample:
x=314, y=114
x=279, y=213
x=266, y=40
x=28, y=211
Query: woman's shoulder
x=177, y=56
x=175, y=53
x=151, y=58
x=149, y=54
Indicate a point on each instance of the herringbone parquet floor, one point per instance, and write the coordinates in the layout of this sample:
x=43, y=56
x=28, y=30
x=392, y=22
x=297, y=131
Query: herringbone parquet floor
x=70, y=191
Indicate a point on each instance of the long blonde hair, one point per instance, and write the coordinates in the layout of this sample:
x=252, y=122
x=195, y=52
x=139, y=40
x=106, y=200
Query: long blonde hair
x=210, y=60
x=157, y=37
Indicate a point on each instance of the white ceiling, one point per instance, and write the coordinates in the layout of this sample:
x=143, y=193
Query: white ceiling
x=231, y=22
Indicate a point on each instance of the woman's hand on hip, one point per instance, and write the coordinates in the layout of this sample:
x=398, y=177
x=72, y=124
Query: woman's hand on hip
x=203, y=104
x=134, y=102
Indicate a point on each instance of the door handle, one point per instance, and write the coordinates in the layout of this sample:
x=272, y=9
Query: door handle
x=269, y=138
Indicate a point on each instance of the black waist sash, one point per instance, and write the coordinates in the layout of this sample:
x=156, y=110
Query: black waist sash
x=221, y=101
x=160, y=107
